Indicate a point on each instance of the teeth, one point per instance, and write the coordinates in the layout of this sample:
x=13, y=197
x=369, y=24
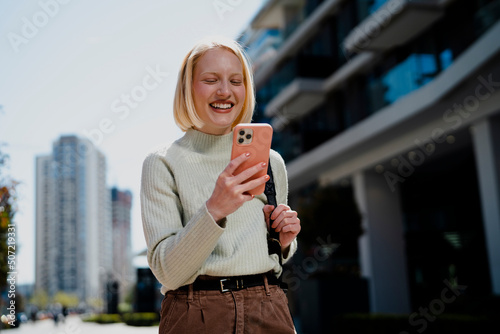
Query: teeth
x=221, y=105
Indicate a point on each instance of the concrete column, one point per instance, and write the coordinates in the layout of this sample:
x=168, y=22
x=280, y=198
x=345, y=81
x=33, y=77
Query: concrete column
x=382, y=248
x=486, y=139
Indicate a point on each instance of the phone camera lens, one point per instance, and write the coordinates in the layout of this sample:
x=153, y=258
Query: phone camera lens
x=249, y=136
x=241, y=140
x=242, y=132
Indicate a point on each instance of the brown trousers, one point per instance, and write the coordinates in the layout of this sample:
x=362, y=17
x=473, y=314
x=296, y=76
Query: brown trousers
x=255, y=310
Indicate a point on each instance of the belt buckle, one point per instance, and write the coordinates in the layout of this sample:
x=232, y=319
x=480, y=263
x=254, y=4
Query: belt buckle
x=222, y=285
x=239, y=284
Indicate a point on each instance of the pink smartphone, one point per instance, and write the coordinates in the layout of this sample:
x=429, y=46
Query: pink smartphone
x=254, y=138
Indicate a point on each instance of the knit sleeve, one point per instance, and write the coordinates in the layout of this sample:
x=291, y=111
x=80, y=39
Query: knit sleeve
x=280, y=177
x=281, y=184
x=176, y=251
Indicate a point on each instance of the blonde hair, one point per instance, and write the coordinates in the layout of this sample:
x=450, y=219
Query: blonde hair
x=185, y=113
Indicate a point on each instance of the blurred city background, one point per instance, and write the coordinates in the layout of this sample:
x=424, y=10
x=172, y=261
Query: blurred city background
x=387, y=113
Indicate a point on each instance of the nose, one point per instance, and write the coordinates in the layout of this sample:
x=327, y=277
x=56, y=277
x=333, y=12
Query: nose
x=223, y=89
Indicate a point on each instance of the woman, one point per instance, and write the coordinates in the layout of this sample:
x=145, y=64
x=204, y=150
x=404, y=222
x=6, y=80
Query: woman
x=206, y=236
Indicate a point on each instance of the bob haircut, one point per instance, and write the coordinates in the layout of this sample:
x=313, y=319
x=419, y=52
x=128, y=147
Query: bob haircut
x=185, y=113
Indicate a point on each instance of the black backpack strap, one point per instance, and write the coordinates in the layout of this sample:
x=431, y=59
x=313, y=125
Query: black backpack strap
x=273, y=240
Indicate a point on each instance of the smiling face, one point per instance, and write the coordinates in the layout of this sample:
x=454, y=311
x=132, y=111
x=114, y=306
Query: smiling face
x=218, y=90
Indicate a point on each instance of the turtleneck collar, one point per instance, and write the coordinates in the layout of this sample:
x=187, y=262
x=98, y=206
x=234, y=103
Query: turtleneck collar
x=207, y=143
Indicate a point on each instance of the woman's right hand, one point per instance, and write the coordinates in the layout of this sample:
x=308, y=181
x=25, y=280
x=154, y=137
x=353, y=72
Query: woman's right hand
x=231, y=190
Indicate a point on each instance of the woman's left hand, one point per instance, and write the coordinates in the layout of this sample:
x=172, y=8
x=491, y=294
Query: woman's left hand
x=285, y=222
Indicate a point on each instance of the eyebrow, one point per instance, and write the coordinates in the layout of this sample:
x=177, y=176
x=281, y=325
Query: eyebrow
x=216, y=73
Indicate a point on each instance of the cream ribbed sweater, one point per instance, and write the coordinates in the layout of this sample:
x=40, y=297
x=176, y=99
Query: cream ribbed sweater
x=183, y=239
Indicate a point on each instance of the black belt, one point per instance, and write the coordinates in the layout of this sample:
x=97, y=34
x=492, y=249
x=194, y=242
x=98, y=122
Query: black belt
x=231, y=283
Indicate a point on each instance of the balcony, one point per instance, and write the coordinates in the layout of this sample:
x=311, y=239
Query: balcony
x=394, y=23
x=280, y=14
x=295, y=100
x=275, y=14
x=299, y=87
x=264, y=47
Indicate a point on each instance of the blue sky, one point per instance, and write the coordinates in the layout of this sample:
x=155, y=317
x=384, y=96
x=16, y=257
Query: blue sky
x=89, y=67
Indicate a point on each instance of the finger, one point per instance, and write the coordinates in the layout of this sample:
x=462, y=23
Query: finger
x=244, y=187
x=250, y=171
x=288, y=214
x=292, y=227
x=280, y=213
x=268, y=209
x=288, y=225
x=277, y=220
x=278, y=223
x=235, y=163
x=279, y=209
x=281, y=222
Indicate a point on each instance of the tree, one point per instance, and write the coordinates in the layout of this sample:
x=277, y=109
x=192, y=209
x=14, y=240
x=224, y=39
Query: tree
x=7, y=232
x=66, y=299
x=40, y=299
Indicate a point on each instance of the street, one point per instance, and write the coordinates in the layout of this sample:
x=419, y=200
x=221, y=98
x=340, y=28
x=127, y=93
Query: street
x=74, y=325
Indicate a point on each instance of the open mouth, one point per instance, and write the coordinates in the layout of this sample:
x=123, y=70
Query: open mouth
x=222, y=106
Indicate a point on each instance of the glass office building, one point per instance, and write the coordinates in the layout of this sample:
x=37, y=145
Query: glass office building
x=396, y=105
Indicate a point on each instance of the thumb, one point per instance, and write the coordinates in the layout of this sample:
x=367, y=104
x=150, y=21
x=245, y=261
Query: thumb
x=268, y=209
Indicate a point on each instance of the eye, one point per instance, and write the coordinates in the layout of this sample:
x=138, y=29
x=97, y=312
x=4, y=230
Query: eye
x=210, y=80
x=236, y=82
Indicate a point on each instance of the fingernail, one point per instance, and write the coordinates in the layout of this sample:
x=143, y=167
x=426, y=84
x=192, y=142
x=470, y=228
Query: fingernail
x=247, y=154
x=267, y=177
x=264, y=164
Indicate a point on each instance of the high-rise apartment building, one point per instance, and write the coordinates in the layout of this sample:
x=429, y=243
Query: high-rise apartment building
x=123, y=273
x=73, y=220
